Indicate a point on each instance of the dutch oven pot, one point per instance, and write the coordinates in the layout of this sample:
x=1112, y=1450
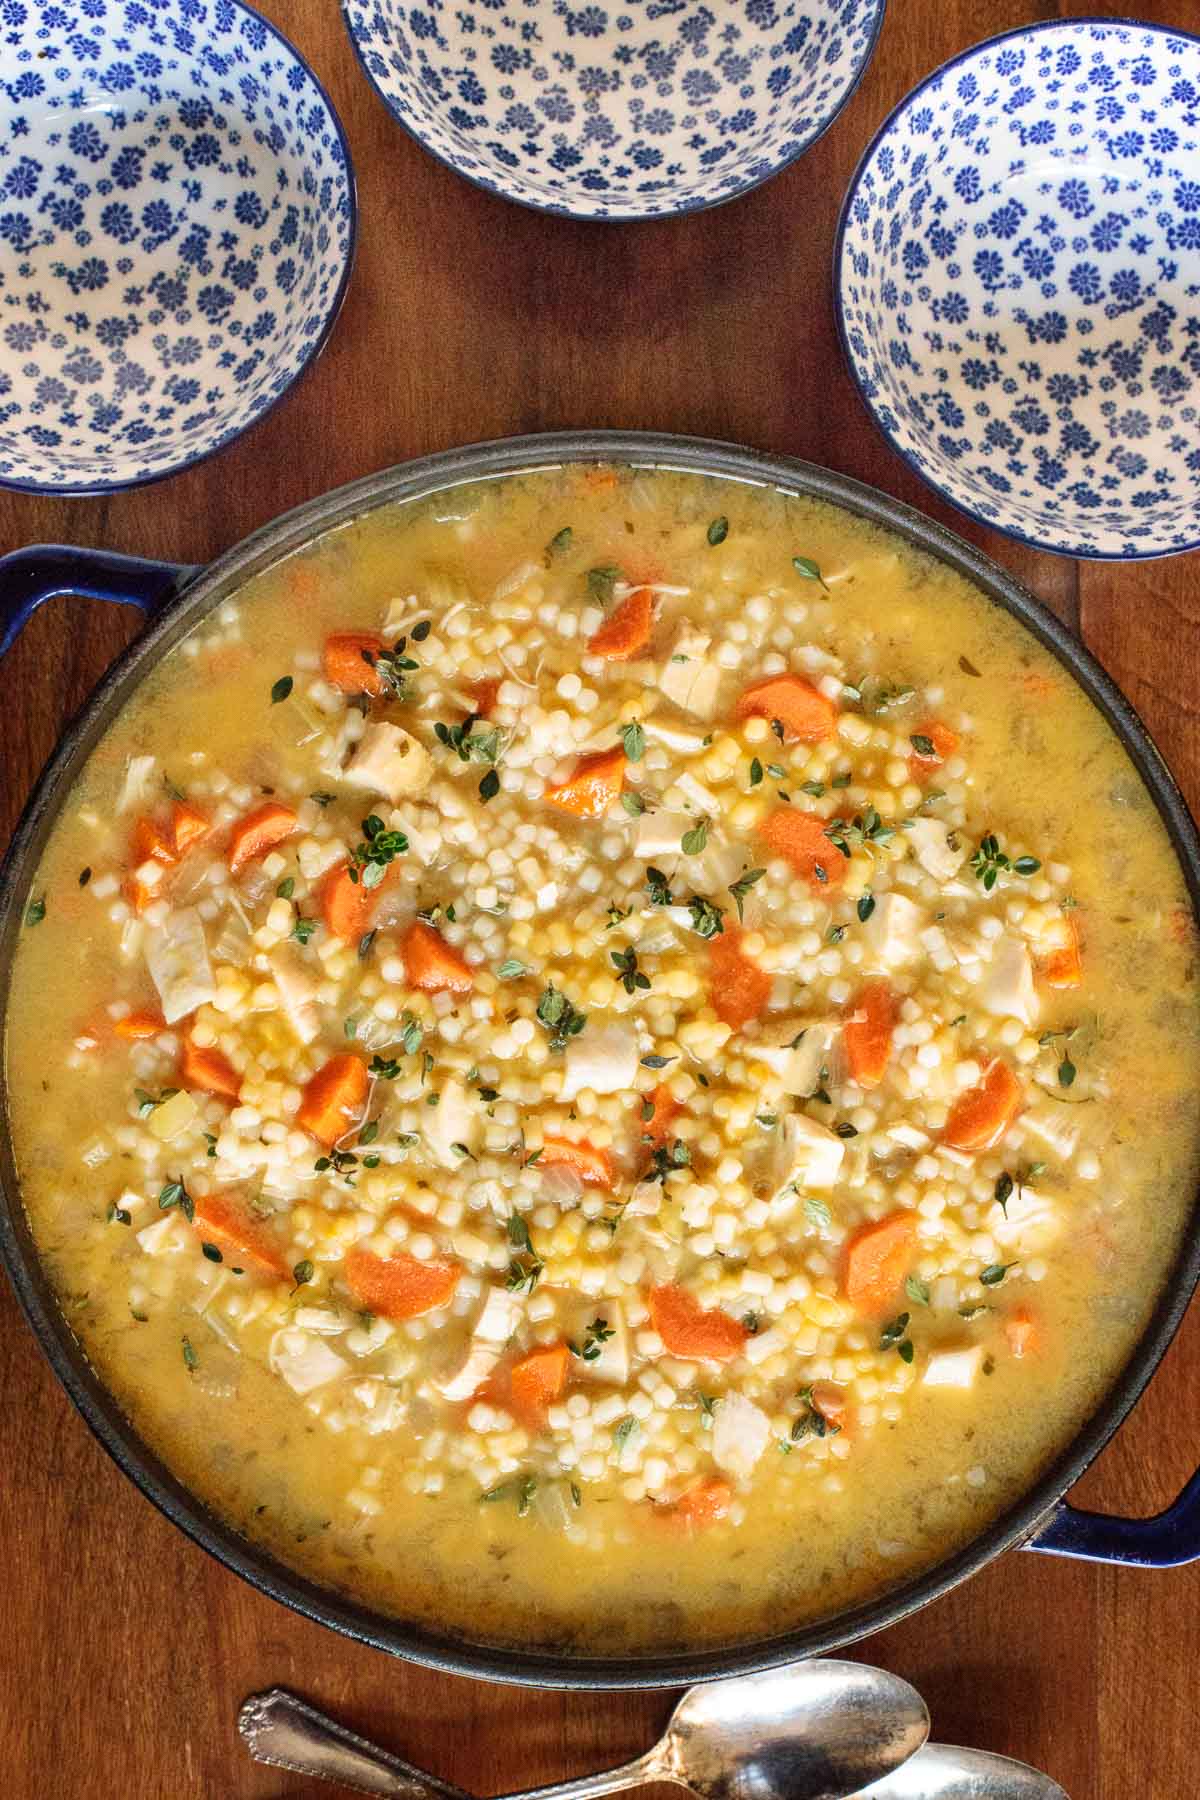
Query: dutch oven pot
x=176, y=600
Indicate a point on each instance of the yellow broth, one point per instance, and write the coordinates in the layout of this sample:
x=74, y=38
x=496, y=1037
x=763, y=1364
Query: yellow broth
x=569, y=1532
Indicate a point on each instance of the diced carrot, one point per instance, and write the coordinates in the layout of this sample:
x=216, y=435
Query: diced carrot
x=209, y=1071
x=805, y=713
x=241, y=1238
x=347, y=907
x=799, y=837
x=593, y=1167
x=945, y=741
x=399, y=1287
x=1063, y=968
x=593, y=786
x=538, y=1380
x=738, y=988
x=346, y=665
x=152, y=842
x=688, y=1331
x=878, y=1257
x=664, y=1106
x=139, y=893
x=867, y=1033
x=626, y=631
x=830, y=1401
x=333, y=1098
x=484, y=693
x=707, y=1503
x=1020, y=1328
x=141, y=1023
x=431, y=964
x=188, y=826
x=980, y=1117
x=258, y=832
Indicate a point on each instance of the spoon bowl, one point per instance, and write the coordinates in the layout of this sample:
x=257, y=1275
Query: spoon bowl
x=947, y=1772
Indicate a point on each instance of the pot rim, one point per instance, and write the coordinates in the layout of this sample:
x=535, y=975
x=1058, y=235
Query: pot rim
x=460, y=1654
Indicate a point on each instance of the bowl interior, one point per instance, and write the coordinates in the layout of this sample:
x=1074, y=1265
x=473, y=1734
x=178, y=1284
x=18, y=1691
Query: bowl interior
x=1019, y=281
x=177, y=210
x=627, y=109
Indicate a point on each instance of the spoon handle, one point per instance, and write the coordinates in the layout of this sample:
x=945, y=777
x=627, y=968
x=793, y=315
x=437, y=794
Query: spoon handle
x=605, y=1781
x=285, y=1731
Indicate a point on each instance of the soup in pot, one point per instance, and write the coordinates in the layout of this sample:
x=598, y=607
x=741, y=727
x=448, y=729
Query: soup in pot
x=606, y=1061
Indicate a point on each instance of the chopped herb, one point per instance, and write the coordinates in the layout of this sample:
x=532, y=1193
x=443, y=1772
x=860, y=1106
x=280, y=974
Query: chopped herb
x=814, y=788
x=190, y=1359
x=525, y=1268
x=751, y=1321
x=175, y=1194
x=461, y=1150
x=653, y=1061
x=967, y=667
x=633, y=803
x=768, y=1121
x=917, y=1290
x=835, y=934
x=808, y=569
x=510, y=968
x=990, y=860
x=866, y=906
x=656, y=886
x=741, y=887
x=302, y=930
x=624, y=1430
x=892, y=1337
x=281, y=689
x=406, y=1139
x=488, y=1094
x=370, y=858
x=708, y=919
x=812, y=1419
x=576, y=1494
x=342, y=1162
x=692, y=842
x=904, y=1351
x=994, y=1274
x=718, y=531
x=594, y=1340
x=846, y=1130
x=842, y=780
x=756, y=772
x=667, y=1159
x=1066, y=1071
x=559, y=1017
x=560, y=541
x=628, y=974
x=35, y=912
x=863, y=829
x=286, y=888
x=364, y=945
x=146, y=1103
x=601, y=582
x=212, y=1253
x=467, y=743
x=817, y=1212
x=421, y=630
x=85, y=875
x=369, y=1132
x=617, y=915
x=489, y=786
x=117, y=1215
x=633, y=738
x=210, y=1140
x=777, y=728
x=924, y=746
x=323, y=799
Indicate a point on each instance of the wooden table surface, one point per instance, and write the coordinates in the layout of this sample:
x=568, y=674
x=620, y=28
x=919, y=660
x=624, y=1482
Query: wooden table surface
x=126, y=1649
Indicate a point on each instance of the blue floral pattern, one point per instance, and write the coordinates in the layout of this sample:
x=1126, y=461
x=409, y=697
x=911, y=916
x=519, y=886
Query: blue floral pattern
x=176, y=228
x=604, y=111
x=1019, y=285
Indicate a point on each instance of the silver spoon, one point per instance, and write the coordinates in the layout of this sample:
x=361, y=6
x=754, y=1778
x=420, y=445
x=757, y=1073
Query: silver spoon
x=945, y=1772
x=816, y=1731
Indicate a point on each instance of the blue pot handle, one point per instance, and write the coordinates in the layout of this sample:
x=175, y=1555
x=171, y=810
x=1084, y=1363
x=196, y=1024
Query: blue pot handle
x=1163, y=1542
x=45, y=571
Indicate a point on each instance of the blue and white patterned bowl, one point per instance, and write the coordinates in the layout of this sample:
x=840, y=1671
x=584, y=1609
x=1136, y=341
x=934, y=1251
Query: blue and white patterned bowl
x=177, y=222
x=1017, y=278
x=623, y=109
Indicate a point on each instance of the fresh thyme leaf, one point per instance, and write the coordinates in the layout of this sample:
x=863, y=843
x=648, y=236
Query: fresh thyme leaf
x=302, y=1273
x=594, y=1340
x=628, y=974
x=708, y=919
x=286, y=888
x=692, y=842
x=190, y=1359
x=211, y=1253
x=633, y=803
x=85, y=875
x=1003, y=1191
x=654, y=1061
x=623, y=1431
x=560, y=541
x=718, y=531
x=866, y=906
x=281, y=689
x=323, y=799
x=369, y=859
x=994, y=1274
x=510, y=969
x=117, y=1215
x=35, y=912
x=634, y=739
x=656, y=885
x=756, y=772
x=302, y=929
x=917, y=1290
x=489, y=786
x=1066, y=1071
x=384, y=1068
x=808, y=569
x=601, y=582
x=559, y=1017
x=175, y=1194
x=421, y=630
x=741, y=887
x=924, y=746
x=816, y=1212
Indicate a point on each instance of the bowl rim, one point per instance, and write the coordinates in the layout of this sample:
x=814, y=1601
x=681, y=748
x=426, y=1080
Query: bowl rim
x=90, y=489
x=556, y=209
x=460, y=1654
x=1035, y=28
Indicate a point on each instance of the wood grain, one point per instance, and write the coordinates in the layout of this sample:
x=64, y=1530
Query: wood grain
x=127, y=1651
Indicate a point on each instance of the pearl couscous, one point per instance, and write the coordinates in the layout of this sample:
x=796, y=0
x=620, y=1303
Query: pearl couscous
x=609, y=1060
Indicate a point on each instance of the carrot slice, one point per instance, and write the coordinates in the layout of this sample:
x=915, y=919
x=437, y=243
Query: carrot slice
x=152, y=843
x=593, y=1167
x=664, y=1106
x=705, y=1504
x=344, y=661
x=877, y=1260
x=188, y=826
x=688, y=1331
x=867, y=1033
x=431, y=964
x=738, y=988
x=258, y=831
x=830, y=1401
x=347, y=907
x=593, y=785
x=799, y=837
x=805, y=713
x=209, y=1071
x=241, y=1238
x=399, y=1287
x=333, y=1099
x=945, y=741
x=626, y=631
x=484, y=693
x=1020, y=1328
x=139, y=1024
x=1064, y=968
x=538, y=1380
x=980, y=1117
